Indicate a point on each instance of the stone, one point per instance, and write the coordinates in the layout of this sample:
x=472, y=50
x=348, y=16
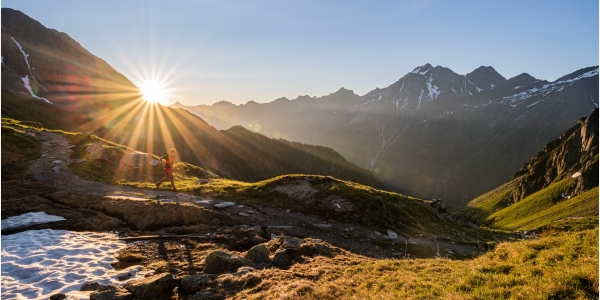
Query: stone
x=218, y=262
x=243, y=214
x=90, y=286
x=258, y=254
x=287, y=242
x=438, y=204
x=224, y=204
x=135, y=159
x=96, y=151
x=215, y=222
x=56, y=169
x=193, y=283
x=256, y=229
x=57, y=162
x=202, y=181
x=58, y=296
x=392, y=234
x=111, y=292
x=285, y=258
x=151, y=287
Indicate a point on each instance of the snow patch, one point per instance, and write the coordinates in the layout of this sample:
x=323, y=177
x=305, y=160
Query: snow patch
x=40, y=263
x=29, y=219
x=22, y=51
x=28, y=87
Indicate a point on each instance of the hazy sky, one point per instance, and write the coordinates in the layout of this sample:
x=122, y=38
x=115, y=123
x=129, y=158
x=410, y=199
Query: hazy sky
x=239, y=51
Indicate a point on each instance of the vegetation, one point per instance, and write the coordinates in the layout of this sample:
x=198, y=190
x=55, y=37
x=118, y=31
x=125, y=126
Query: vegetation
x=555, y=267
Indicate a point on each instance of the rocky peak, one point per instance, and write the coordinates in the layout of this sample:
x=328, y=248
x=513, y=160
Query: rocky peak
x=422, y=69
x=485, y=78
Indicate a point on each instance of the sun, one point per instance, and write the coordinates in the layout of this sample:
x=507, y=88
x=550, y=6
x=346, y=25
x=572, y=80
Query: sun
x=154, y=91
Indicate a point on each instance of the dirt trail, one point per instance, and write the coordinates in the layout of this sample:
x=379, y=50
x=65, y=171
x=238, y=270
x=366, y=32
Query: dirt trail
x=52, y=169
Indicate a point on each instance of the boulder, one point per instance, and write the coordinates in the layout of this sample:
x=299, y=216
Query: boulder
x=58, y=296
x=285, y=242
x=90, y=286
x=200, y=296
x=218, y=262
x=285, y=258
x=135, y=159
x=111, y=292
x=151, y=287
x=193, y=283
x=96, y=151
x=258, y=254
x=438, y=205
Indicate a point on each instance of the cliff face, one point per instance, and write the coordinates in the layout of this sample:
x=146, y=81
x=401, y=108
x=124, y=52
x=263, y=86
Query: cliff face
x=573, y=154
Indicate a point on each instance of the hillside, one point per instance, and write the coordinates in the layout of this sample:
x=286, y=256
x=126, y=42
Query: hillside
x=433, y=133
x=80, y=92
x=559, y=182
x=285, y=236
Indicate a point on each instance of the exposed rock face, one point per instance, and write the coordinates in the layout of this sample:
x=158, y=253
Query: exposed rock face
x=90, y=286
x=96, y=151
x=576, y=151
x=111, y=292
x=151, y=287
x=219, y=262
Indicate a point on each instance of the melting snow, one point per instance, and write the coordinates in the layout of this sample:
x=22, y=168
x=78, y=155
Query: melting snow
x=516, y=87
x=24, y=54
x=40, y=263
x=433, y=90
x=28, y=87
x=29, y=219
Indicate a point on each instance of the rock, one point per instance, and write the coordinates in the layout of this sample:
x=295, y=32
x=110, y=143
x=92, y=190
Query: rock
x=243, y=214
x=57, y=162
x=438, y=204
x=151, y=287
x=75, y=161
x=135, y=159
x=256, y=229
x=258, y=254
x=286, y=242
x=58, y=296
x=193, y=283
x=285, y=258
x=200, y=296
x=90, y=286
x=111, y=292
x=96, y=151
x=224, y=204
x=215, y=222
x=202, y=181
x=392, y=234
x=315, y=247
x=56, y=169
x=218, y=262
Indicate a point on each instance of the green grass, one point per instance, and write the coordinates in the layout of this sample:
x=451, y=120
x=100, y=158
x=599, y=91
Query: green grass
x=509, y=218
x=492, y=201
x=583, y=205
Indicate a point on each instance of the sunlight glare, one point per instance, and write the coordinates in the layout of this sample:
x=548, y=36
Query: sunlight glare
x=154, y=91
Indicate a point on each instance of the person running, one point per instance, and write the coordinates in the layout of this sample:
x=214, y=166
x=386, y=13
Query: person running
x=170, y=160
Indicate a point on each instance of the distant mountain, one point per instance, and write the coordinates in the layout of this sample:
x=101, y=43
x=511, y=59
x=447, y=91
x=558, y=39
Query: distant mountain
x=433, y=133
x=561, y=181
x=49, y=78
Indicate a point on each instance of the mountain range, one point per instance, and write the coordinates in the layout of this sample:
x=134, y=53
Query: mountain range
x=433, y=133
x=47, y=77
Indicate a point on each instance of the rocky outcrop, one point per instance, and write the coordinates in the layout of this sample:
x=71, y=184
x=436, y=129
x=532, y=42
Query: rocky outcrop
x=574, y=154
x=259, y=254
x=152, y=287
x=219, y=262
x=111, y=292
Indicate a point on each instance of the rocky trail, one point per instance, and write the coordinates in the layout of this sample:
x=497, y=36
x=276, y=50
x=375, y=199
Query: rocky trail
x=52, y=169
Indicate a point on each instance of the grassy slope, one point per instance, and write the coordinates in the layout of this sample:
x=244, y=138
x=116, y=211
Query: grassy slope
x=554, y=267
x=529, y=206
x=491, y=201
x=584, y=205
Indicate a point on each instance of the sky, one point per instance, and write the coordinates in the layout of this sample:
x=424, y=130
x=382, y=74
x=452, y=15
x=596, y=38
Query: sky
x=239, y=51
